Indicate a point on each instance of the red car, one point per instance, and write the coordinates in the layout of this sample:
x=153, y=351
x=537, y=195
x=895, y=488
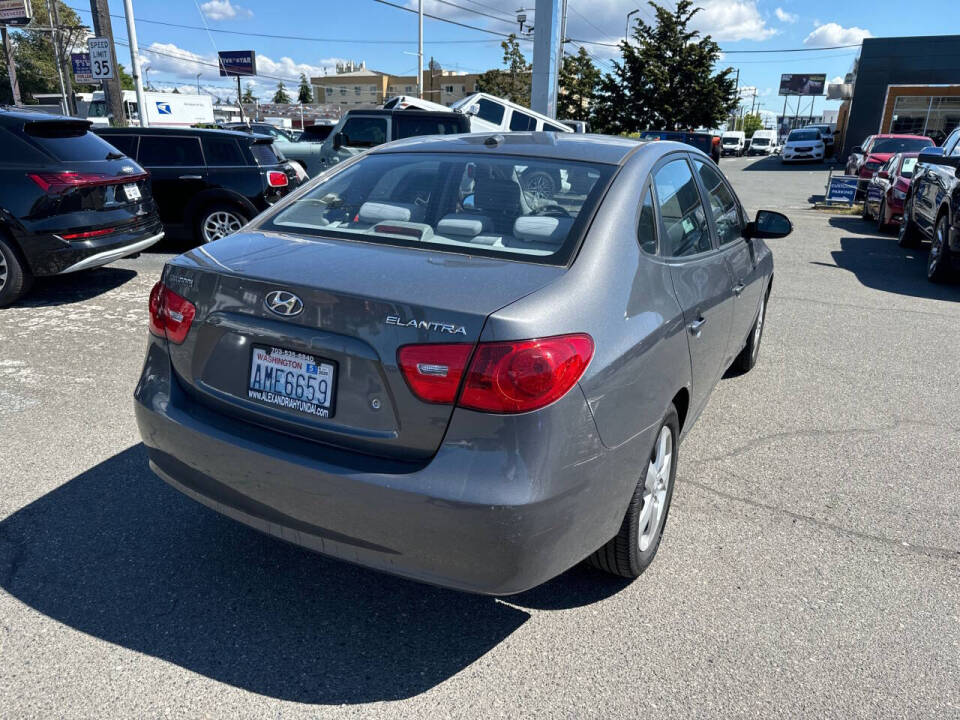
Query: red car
x=865, y=160
x=887, y=190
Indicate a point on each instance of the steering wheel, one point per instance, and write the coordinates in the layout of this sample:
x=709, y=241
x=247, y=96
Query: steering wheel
x=552, y=211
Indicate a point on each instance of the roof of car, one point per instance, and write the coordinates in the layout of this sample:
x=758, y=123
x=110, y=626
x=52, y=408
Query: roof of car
x=173, y=131
x=564, y=146
x=15, y=116
x=405, y=112
x=901, y=135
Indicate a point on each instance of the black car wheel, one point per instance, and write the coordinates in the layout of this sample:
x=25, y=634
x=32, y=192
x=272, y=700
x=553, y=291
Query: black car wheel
x=15, y=279
x=540, y=184
x=882, y=216
x=909, y=236
x=938, y=262
x=633, y=548
x=747, y=358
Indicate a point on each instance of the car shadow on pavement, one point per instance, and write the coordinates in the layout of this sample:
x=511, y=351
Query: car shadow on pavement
x=879, y=263
x=117, y=554
x=772, y=163
x=75, y=287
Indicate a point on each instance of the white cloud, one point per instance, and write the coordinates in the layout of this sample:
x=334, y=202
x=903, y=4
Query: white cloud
x=224, y=10
x=837, y=80
x=834, y=34
x=784, y=16
x=732, y=20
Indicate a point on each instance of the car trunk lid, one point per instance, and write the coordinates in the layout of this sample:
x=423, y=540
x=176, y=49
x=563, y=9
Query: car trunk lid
x=360, y=303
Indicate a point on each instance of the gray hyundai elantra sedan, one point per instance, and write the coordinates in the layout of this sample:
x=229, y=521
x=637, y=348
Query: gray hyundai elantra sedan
x=416, y=365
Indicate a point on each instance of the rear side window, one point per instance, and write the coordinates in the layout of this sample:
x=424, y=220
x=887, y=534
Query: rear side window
x=222, y=151
x=647, y=226
x=68, y=141
x=364, y=132
x=682, y=214
x=127, y=144
x=16, y=151
x=490, y=111
x=521, y=121
x=158, y=151
x=547, y=127
x=264, y=154
x=414, y=126
x=723, y=205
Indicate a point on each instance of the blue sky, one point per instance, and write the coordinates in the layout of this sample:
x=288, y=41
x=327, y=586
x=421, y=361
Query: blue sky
x=383, y=36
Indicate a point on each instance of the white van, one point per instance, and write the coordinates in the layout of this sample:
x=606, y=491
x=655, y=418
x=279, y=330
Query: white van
x=733, y=142
x=163, y=109
x=763, y=142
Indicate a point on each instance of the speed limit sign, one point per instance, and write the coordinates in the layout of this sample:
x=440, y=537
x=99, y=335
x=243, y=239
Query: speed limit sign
x=100, y=66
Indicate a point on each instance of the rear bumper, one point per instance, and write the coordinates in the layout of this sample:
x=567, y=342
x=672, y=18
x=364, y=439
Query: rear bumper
x=483, y=515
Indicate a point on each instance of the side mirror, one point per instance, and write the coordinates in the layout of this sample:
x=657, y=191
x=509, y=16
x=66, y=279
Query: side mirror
x=769, y=224
x=473, y=110
x=857, y=150
x=338, y=141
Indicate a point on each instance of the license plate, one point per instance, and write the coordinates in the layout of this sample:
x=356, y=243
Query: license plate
x=132, y=191
x=292, y=380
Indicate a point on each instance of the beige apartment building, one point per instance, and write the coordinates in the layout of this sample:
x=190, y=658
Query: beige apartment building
x=353, y=85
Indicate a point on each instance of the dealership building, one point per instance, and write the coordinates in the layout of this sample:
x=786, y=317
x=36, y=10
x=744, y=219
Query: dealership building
x=903, y=85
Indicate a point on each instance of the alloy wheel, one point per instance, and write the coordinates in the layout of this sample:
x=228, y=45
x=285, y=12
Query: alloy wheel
x=655, y=488
x=936, y=248
x=3, y=271
x=541, y=186
x=219, y=224
x=758, y=328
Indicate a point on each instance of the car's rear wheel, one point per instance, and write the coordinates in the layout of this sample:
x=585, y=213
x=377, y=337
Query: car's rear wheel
x=909, y=235
x=15, y=278
x=633, y=548
x=540, y=184
x=938, y=262
x=866, y=209
x=218, y=221
x=882, y=223
x=747, y=358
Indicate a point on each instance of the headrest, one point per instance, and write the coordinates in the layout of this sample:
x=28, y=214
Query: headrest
x=374, y=212
x=542, y=228
x=463, y=225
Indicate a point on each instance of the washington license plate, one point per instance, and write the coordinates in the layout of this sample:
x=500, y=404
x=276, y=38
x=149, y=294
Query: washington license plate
x=292, y=380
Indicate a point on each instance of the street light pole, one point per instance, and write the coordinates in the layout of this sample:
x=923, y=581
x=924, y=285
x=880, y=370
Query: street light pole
x=420, y=49
x=135, y=63
x=626, y=34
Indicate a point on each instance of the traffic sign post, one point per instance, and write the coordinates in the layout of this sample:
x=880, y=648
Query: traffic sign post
x=101, y=67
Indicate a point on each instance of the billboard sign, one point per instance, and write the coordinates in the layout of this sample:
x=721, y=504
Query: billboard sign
x=234, y=63
x=82, y=71
x=794, y=84
x=15, y=12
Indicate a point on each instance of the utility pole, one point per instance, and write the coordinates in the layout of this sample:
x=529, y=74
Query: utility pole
x=102, y=27
x=546, y=38
x=55, y=40
x=135, y=64
x=64, y=61
x=11, y=66
x=563, y=40
x=420, y=49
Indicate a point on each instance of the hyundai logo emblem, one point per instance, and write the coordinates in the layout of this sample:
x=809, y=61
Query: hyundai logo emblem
x=283, y=303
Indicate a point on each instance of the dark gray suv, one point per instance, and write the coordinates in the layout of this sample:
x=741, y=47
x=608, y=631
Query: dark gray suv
x=415, y=365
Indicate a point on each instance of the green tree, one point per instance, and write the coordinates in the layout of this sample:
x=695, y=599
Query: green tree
x=513, y=82
x=750, y=124
x=33, y=52
x=579, y=79
x=248, y=96
x=280, y=96
x=305, y=95
x=665, y=79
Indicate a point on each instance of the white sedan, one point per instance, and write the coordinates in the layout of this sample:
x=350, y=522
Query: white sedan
x=803, y=144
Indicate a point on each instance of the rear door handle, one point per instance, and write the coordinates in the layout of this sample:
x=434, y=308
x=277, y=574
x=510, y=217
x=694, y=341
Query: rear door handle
x=696, y=326
x=738, y=288
x=191, y=177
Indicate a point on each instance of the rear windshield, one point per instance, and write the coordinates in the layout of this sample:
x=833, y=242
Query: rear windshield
x=265, y=154
x=524, y=208
x=316, y=133
x=895, y=145
x=803, y=135
x=68, y=141
x=906, y=170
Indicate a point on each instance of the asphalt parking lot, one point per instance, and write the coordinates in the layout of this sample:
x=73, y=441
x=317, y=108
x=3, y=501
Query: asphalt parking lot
x=810, y=568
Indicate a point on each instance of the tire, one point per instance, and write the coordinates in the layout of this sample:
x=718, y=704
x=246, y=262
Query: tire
x=633, y=548
x=938, y=261
x=217, y=221
x=866, y=209
x=15, y=278
x=882, y=223
x=909, y=235
x=745, y=361
x=540, y=184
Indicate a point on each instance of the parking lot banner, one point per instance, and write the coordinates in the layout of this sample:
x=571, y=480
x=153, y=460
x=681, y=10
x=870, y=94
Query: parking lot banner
x=842, y=188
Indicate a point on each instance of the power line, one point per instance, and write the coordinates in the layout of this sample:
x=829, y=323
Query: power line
x=287, y=37
x=511, y=21
x=454, y=22
x=731, y=52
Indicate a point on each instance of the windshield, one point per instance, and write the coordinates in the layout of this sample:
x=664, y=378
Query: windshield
x=906, y=170
x=803, y=135
x=524, y=208
x=894, y=145
x=730, y=139
x=760, y=142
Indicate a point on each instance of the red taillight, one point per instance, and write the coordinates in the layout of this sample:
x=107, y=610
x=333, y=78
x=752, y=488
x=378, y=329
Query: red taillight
x=504, y=377
x=170, y=314
x=58, y=182
x=275, y=178
x=88, y=234
x=433, y=372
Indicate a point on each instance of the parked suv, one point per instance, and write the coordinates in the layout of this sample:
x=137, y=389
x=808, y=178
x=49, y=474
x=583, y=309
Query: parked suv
x=69, y=201
x=360, y=130
x=207, y=183
x=932, y=208
x=304, y=155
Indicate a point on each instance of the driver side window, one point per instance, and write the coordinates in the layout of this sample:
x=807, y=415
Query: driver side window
x=723, y=205
x=682, y=213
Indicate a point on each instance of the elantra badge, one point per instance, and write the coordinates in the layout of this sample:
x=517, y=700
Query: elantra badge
x=440, y=327
x=283, y=303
